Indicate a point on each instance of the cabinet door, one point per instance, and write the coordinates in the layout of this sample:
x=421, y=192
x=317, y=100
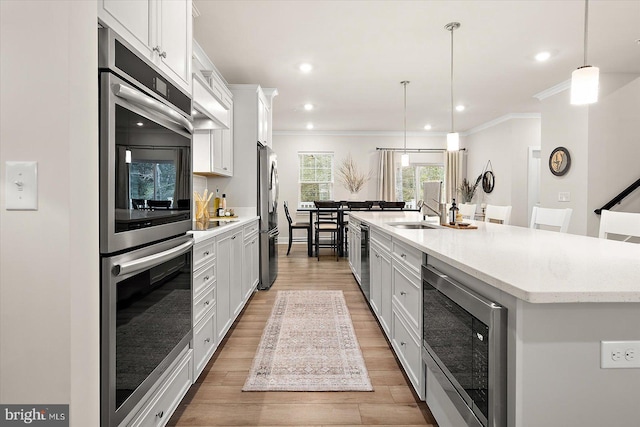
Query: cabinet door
x=250, y=270
x=174, y=40
x=223, y=312
x=130, y=19
x=202, y=152
x=236, y=265
x=261, y=121
x=374, y=274
x=222, y=151
x=385, y=291
x=227, y=152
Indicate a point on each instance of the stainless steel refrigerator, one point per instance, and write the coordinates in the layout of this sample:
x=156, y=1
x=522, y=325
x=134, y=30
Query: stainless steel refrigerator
x=268, y=212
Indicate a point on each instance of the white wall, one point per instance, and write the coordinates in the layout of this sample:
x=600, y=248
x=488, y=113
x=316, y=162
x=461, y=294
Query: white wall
x=49, y=262
x=506, y=146
x=602, y=140
x=362, y=149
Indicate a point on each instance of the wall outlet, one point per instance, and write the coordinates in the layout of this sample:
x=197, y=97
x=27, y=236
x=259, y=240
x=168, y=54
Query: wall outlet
x=619, y=354
x=564, y=196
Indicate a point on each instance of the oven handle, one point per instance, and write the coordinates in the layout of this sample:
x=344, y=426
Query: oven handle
x=137, y=97
x=151, y=260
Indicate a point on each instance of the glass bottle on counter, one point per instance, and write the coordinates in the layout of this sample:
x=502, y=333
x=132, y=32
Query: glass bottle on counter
x=453, y=211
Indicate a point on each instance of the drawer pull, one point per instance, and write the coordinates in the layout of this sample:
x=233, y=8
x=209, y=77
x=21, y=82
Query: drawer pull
x=206, y=302
x=403, y=255
x=403, y=293
x=207, y=340
x=160, y=414
x=403, y=343
x=205, y=253
x=205, y=278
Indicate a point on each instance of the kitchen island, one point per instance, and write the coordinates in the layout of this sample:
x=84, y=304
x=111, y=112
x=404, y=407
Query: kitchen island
x=564, y=294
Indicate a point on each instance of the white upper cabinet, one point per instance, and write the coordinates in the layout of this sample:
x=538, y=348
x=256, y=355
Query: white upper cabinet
x=160, y=30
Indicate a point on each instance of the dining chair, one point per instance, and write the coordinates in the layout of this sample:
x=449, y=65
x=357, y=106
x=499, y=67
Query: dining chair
x=327, y=222
x=497, y=214
x=392, y=205
x=621, y=223
x=297, y=226
x=548, y=217
x=467, y=210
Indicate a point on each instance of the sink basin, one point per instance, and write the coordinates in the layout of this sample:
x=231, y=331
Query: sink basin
x=412, y=225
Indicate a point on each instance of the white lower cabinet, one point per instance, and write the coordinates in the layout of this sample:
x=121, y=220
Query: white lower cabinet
x=165, y=400
x=204, y=341
x=380, y=274
x=251, y=270
x=407, y=347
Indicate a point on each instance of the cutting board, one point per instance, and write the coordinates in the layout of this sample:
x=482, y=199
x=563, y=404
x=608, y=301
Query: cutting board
x=457, y=227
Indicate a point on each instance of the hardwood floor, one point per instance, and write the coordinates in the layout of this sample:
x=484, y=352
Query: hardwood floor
x=217, y=400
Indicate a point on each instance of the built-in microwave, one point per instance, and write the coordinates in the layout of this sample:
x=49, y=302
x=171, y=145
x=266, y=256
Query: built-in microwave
x=145, y=151
x=464, y=348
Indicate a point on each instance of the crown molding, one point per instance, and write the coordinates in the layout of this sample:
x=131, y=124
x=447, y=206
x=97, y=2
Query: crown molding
x=356, y=133
x=499, y=120
x=553, y=90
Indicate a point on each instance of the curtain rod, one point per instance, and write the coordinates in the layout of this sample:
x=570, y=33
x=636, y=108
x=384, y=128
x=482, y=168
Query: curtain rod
x=418, y=150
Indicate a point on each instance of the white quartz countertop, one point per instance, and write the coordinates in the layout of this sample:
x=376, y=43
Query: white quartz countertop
x=537, y=266
x=200, y=235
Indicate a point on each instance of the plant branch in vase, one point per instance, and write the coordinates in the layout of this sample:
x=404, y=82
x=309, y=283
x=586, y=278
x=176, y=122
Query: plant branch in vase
x=467, y=191
x=351, y=176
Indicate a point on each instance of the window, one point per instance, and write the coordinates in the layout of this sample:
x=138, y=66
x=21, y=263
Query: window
x=152, y=180
x=316, y=177
x=409, y=181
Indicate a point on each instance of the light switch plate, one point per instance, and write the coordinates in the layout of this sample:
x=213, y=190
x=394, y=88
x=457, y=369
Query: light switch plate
x=21, y=186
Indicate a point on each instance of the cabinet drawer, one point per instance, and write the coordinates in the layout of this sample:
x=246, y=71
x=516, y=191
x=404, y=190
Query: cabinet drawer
x=168, y=396
x=204, y=302
x=384, y=240
x=250, y=229
x=407, y=295
x=203, y=277
x=411, y=257
x=204, y=341
x=407, y=348
x=203, y=251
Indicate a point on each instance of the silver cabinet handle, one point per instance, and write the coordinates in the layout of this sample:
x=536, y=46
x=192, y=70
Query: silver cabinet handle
x=151, y=260
x=160, y=414
x=403, y=255
x=233, y=238
x=133, y=95
x=206, y=302
x=207, y=340
x=206, y=253
x=403, y=293
x=161, y=53
x=205, y=278
x=403, y=343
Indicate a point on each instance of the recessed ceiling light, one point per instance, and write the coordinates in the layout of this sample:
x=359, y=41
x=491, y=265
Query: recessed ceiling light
x=459, y=107
x=140, y=124
x=308, y=107
x=306, y=67
x=427, y=127
x=542, y=56
x=309, y=126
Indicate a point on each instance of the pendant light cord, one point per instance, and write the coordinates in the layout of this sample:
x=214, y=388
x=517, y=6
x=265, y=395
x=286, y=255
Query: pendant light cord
x=452, y=79
x=586, y=29
x=404, y=83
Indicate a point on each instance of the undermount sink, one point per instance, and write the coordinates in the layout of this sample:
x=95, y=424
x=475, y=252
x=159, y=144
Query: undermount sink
x=412, y=225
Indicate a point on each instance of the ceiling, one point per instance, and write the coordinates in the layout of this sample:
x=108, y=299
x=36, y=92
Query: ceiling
x=361, y=50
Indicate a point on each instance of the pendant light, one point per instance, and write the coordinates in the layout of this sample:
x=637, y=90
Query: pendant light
x=405, y=157
x=453, y=138
x=584, y=80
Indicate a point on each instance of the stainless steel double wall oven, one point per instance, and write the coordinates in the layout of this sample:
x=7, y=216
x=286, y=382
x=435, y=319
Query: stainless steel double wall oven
x=145, y=213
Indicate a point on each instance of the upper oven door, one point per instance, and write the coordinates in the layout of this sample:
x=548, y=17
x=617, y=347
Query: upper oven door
x=145, y=168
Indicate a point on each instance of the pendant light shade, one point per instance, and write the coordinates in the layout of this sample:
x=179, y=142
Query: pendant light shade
x=453, y=141
x=404, y=160
x=453, y=138
x=585, y=80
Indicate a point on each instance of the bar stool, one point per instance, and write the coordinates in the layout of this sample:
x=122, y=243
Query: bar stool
x=548, y=217
x=327, y=223
x=297, y=226
x=498, y=214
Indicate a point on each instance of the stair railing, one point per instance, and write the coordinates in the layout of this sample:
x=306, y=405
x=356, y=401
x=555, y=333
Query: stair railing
x=624, y=193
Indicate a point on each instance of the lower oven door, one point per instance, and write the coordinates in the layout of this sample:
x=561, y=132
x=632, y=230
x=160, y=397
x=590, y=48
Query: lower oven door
x=145, y=321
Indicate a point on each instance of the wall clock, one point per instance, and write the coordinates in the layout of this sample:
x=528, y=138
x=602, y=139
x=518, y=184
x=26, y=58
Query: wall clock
x=559, y=161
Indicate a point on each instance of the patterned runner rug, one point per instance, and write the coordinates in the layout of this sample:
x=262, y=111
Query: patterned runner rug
x=308, y=344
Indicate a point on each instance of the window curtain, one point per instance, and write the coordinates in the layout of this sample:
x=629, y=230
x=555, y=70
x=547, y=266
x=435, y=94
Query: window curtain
x=386, y=176
x=182, y=190
x=453, y=173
